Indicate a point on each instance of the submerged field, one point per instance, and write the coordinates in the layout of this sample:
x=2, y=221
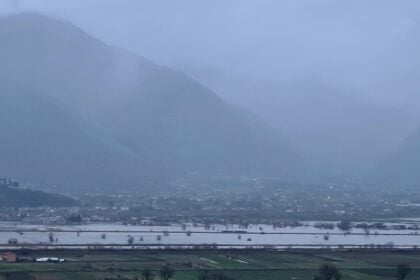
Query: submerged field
x=311, y=234
x=187, y=265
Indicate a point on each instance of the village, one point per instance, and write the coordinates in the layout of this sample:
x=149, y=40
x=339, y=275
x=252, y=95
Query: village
x=244, y=204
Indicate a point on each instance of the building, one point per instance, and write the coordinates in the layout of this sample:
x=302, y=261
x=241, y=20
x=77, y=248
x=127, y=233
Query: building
x=49, y=260
x=8, y=257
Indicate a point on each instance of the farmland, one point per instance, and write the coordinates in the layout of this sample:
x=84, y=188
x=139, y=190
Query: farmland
x=190, y=264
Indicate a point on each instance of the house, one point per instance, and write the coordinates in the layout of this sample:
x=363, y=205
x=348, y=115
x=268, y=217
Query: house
x=8, y=257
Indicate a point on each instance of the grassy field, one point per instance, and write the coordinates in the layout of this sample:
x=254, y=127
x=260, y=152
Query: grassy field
x=241, y=265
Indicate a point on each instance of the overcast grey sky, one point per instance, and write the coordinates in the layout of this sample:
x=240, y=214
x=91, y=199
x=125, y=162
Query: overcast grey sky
x=370, y=46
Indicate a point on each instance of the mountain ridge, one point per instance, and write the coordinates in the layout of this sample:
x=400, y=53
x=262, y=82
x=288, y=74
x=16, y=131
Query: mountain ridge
x=167, y=124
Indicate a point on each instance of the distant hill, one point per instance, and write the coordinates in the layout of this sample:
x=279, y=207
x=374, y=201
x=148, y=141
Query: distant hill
x=401, y=168
x=13, y=196
x=335, y=129
x=88, y=114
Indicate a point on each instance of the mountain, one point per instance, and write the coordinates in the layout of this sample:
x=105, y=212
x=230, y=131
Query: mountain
x=401, y=168
x=335, y=129
x=42, y=142
x=89, y=114
x=14, y=196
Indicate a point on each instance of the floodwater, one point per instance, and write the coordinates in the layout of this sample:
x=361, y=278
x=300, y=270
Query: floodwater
x=220, y=235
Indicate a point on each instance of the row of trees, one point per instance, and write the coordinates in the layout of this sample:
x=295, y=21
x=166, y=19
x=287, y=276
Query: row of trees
x=165, y=273
x=330, y=272
x=325, y=272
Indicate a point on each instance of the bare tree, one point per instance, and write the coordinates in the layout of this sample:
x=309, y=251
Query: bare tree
x=328, y=272
x=12, y=241
x=344, y=225
x=166, y=272
x=204, y=275
x=51, y=237
x=130, y=240
x=402, y=271
x=147, y=274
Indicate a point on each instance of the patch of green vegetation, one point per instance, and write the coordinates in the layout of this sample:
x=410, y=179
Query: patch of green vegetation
x=19, y=197
x=243, y=265
x=16, y=276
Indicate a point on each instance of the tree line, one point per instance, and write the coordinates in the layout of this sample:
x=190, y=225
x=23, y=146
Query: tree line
x=325, y=272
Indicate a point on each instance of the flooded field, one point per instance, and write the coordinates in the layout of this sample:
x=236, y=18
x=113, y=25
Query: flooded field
x=308, y=235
